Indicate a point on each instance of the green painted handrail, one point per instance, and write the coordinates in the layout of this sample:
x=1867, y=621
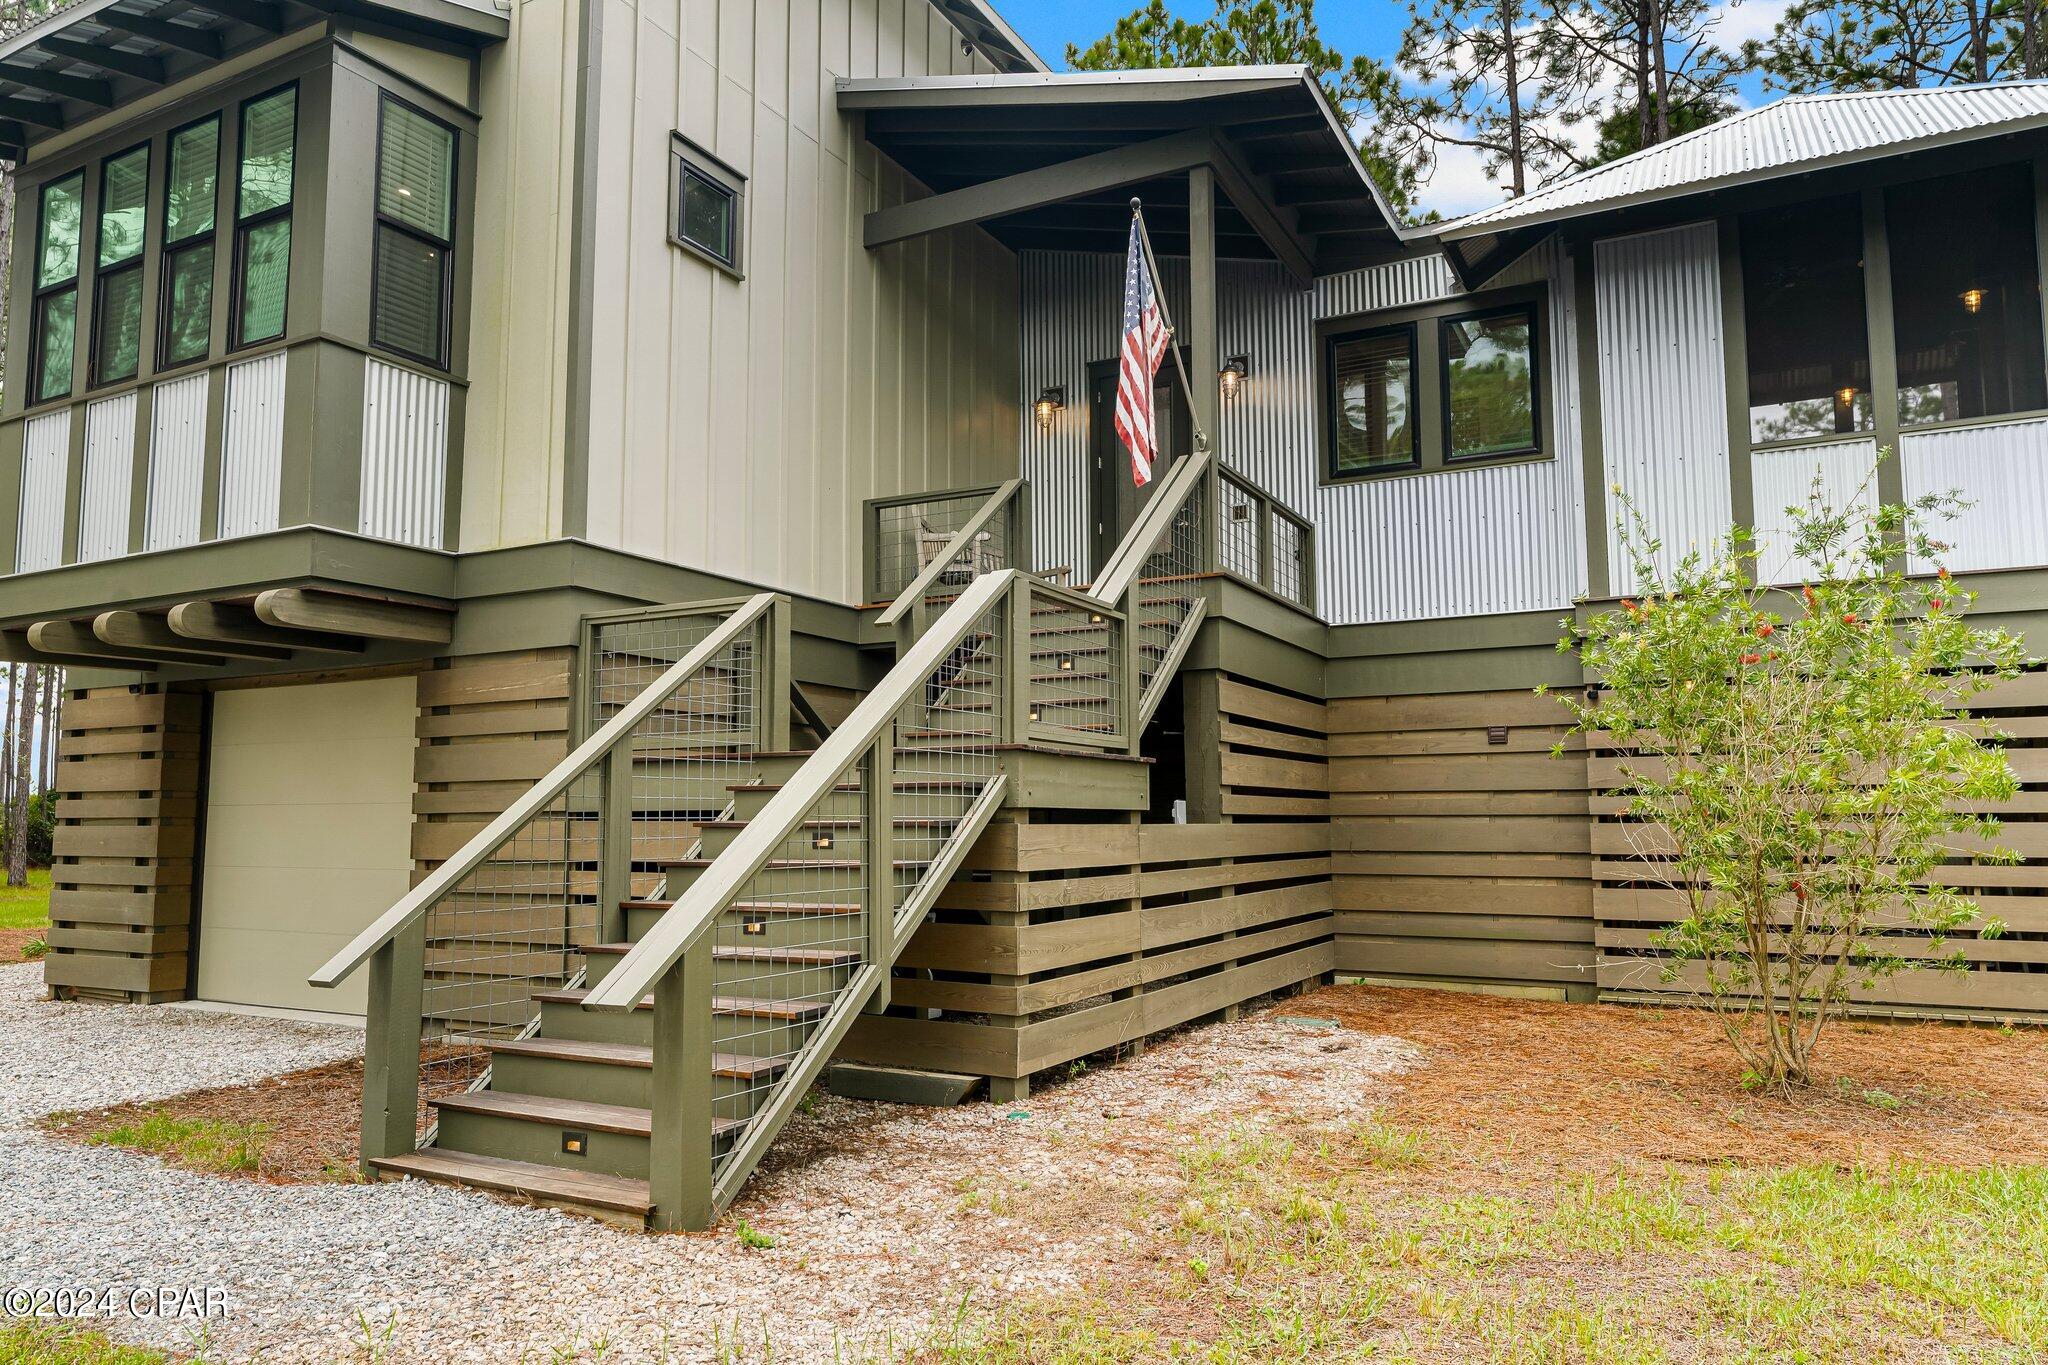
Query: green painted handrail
x=1128, y=559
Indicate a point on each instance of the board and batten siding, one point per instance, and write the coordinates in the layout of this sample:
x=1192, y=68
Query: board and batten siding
x=109, y=478
x=177, y=463
x=737, y=424
x=405, y=455
x=1464, y=542
x=252, y=447
x=45, y=480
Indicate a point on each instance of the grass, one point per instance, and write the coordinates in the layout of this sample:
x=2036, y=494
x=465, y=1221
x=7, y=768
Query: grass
x=203, y=1144
x=1364, y=1242
x=27, y=907
x=44, y=1343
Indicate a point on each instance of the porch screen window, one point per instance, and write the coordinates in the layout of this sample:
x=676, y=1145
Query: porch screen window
x=415, y=234
x=263, y=216
x=1803, y=315
x=1966, y=295
x=189, y=194
x=55, y=325
x=117, y=287
x=1489, y=362
x=1372, y=388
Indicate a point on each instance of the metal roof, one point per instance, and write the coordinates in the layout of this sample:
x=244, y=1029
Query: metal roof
x=994, y=39
x=65, y=66
x=1795, y=135
x=1288, y=148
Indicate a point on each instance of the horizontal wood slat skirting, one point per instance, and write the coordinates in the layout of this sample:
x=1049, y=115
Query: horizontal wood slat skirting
x=1071, y=932
x=121, y=886
x=1461, y=855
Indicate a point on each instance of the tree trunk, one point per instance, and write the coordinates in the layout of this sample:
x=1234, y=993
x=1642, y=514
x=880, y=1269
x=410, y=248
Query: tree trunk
x=1654, y=27
x=1511, y=73
x=53, y=711
x=17, y=811
x=1642, y=75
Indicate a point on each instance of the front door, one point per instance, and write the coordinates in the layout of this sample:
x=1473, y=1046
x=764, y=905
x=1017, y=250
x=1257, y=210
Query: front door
x=1113, y=500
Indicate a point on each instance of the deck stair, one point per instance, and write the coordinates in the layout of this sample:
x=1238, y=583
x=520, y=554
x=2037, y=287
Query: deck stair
x=658, y=1053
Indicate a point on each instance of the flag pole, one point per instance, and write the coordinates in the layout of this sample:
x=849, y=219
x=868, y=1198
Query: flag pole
x=1166, y=317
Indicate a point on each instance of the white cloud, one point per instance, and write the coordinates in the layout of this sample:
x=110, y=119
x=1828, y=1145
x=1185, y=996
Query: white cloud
x=1740, y=20
x=1460, y=184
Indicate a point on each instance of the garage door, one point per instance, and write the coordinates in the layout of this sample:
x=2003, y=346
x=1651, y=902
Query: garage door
x=308, y=835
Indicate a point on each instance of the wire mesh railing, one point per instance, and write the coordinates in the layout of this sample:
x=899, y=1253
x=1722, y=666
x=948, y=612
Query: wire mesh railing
x=1240, y=530
x=1264, y=542
x=506, y=920
x=1077, y=669
x=1163, y=602
x=943, y=541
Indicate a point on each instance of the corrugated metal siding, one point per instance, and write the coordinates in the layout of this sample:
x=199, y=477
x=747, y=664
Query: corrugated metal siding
x=109, y=478
x=177, y=463
x=1663, y=393
x=45, y=472
x=1784, y=478
x=1999, y=469
x=405, y=455
x=1778, y=136
x=252, y=447
x=1508, y=538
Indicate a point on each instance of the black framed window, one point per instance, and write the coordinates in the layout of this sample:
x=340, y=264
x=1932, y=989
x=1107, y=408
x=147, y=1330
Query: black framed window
x=707, y=205
x=191, y=191
x=1372, y=411
x=1966, y=304
x=1804, y=320
x=54, y=327
x=1491, y=384
x=263, y=216
x=412, y=266
x=117, y=284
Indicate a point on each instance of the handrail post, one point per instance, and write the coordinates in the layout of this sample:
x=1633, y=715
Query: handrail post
x=1132, y=664
x=615, y=840
x=680, y=1148
x=391, y=1046
x=1020, y=555
x=1015, y=647
x=777, y=677
x=1265, y=514
x=878, y=851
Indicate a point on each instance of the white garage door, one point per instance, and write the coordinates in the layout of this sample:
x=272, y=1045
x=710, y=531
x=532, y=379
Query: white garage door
x=308, y=835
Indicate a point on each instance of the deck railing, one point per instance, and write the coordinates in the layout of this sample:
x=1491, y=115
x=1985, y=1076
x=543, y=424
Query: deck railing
x=689, y=696
x=1154, y=578
x=1263, y=541
x=926, y=545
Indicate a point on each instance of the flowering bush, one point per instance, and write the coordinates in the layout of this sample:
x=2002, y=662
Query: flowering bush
x=1796, y=763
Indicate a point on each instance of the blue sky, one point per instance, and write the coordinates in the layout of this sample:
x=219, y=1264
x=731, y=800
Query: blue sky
x=1373, y=27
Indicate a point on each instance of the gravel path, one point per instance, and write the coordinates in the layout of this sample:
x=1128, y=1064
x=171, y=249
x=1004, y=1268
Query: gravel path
x=884, y=1219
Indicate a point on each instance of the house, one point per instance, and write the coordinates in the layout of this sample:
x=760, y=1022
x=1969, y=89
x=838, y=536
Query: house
x=591, y=536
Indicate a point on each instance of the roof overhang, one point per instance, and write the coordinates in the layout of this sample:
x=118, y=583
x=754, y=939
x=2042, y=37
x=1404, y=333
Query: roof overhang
x=91, y=58
x=985, y=31
x=1052, y=161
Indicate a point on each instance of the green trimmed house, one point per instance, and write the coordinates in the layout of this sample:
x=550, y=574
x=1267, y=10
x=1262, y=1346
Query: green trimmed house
x=591, y=537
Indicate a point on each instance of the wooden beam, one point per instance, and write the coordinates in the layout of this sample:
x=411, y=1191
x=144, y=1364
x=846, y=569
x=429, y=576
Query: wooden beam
x=198, y=41
x=1032, y=189
x=76, y=640
x=340, y=614
x=39, y=113
x=135, y=64
x=254, y=13
x=81, y=88
x=122, y=629
x=226, y=623
x=1254, y=201
x=15, y=648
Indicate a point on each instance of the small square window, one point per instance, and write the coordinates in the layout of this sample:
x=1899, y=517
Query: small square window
x=705, y=205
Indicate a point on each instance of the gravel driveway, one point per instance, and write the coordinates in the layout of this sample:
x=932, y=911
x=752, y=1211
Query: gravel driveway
x=884, y=1219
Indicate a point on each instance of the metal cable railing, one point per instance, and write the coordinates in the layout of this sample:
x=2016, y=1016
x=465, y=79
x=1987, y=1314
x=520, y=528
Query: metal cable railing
x=457, y=964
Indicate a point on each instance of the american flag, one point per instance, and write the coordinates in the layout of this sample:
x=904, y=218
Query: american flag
x=1145, y=340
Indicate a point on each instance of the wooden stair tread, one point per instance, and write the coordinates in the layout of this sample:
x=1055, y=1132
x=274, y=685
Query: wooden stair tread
x=637, y=1055
x=761, y=907
x=847, y=822
x=821, y=957
x=590, y=1188
x=902, y=785
x=560, y=1113
x=720, y=1004
x=792, y=864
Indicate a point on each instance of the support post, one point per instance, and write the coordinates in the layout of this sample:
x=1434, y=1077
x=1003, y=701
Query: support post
x=1884, y=354
x=1130, y=665
x=679, y=1155
x=391, y=1047
x=1204, y=350
x=1013, y=659
x=778, y=675
x=615, y=841
x=878, y=781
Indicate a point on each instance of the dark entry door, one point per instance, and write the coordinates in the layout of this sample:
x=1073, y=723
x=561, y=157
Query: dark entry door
x=1113, y=500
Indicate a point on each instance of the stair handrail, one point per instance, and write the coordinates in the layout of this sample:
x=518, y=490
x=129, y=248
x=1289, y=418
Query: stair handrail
x=1153, y=523
x=414, y=905
x=694, y=914
x=950, y=555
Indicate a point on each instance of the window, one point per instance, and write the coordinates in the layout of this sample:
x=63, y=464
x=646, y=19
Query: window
x=1966, y=295
x=410, y=269
x=117, y=286
x=706, y=197
x=54, y=329
x=263, y=216
x=1803, y=317
x=1489, y=368
x=1372, y=408
x=185, y=315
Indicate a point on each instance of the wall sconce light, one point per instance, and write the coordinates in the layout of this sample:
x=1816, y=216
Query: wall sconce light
x=1846, y=396
x=1235, y=371
x=1973, y=299
x=1050, y=401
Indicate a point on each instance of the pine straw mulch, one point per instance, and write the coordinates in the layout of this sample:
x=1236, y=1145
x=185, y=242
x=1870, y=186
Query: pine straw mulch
x=1586, y=1086
x=13, y=941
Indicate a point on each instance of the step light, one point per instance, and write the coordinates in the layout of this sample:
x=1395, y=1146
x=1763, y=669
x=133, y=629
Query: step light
x=822, y=839
x=575, y=1144
x=1066, y=663
x=1034, y=715
x=754, y=925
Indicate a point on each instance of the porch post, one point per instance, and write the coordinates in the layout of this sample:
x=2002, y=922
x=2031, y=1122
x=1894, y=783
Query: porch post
x=1204, y=352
